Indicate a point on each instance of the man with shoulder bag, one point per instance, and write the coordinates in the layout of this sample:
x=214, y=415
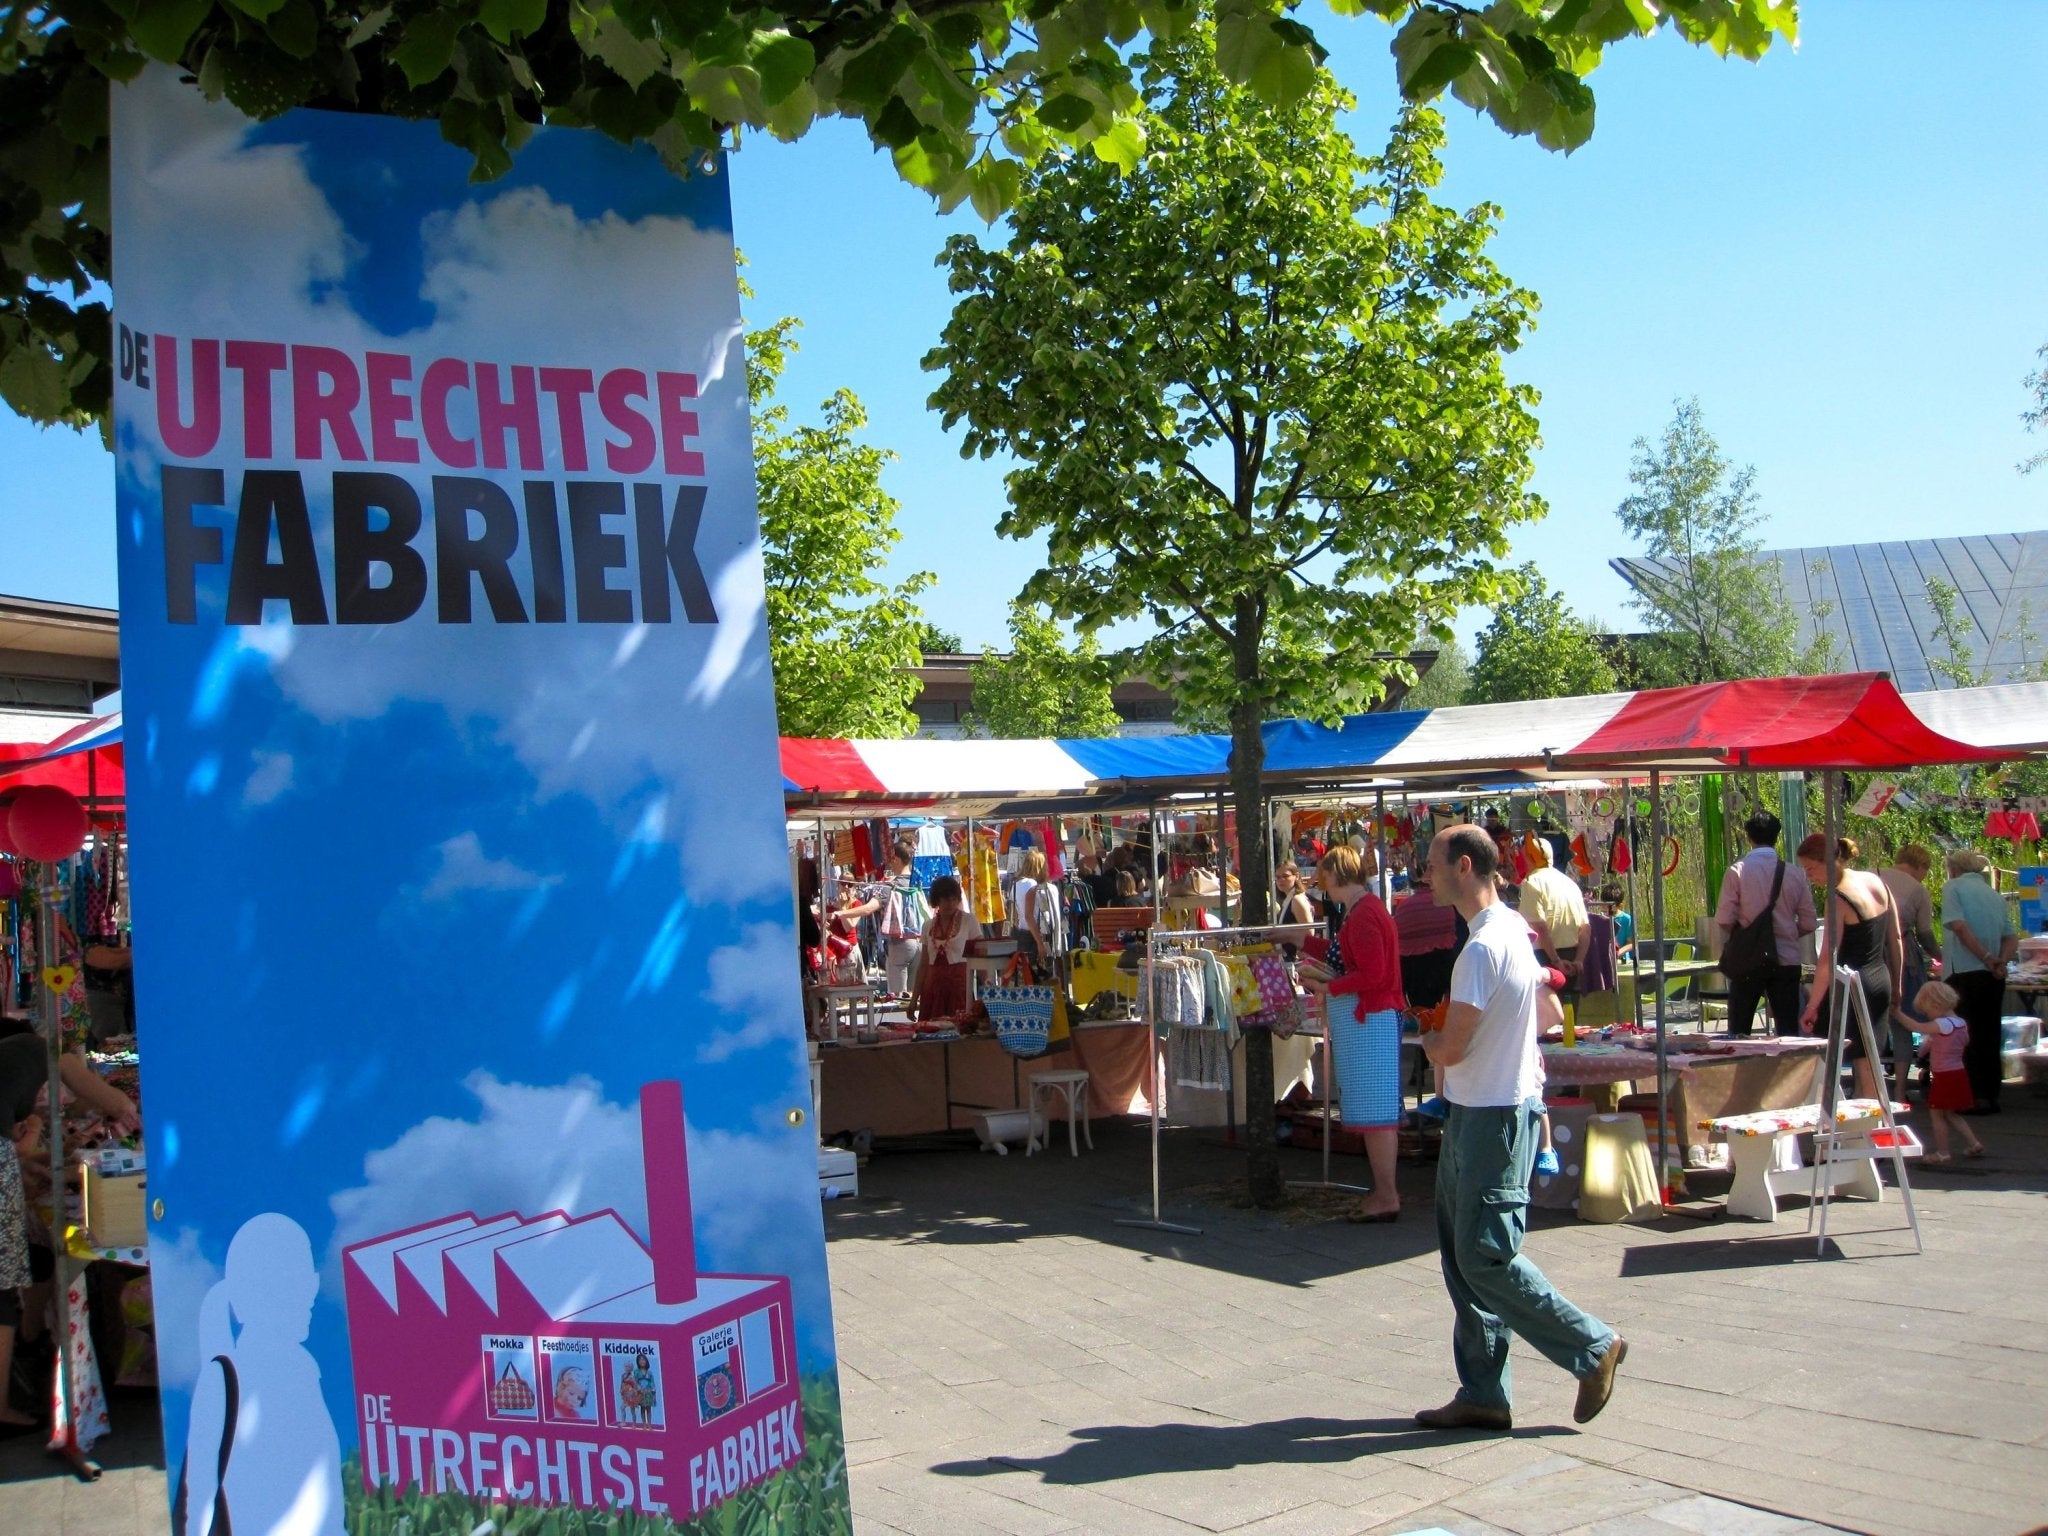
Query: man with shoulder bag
x=1764, y=910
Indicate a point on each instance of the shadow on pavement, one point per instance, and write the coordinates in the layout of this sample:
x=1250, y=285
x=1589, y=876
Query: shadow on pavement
x=136, y=1442
x=966, y=1198
x=1111, y=1453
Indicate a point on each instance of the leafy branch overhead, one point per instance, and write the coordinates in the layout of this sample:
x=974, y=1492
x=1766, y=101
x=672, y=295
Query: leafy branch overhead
x=962, y=93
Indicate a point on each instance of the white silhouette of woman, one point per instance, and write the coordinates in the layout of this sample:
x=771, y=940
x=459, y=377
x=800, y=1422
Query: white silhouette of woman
x=261, y=1447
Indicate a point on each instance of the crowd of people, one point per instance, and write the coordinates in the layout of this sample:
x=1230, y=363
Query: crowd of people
x=1881, y=926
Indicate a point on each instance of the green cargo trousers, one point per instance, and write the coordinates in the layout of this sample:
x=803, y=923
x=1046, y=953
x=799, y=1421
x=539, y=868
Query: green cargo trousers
x=1482, y=1203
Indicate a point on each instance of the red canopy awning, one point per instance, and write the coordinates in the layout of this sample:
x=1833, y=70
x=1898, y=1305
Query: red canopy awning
x=85, y=759
x=1853, y=720
x=830, y=767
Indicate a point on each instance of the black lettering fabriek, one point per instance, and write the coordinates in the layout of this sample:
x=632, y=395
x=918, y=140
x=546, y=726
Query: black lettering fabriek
x=274, y=498
x=487, y=555
x=187, y=545
x=544, y=550
x=358, y=547
x=596, y=551
x=671, y=552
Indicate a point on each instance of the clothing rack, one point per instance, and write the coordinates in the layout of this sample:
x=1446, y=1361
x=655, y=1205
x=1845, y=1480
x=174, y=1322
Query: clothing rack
x=1157, y=942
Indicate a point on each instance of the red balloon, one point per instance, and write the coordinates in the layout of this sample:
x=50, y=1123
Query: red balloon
x=48, y=823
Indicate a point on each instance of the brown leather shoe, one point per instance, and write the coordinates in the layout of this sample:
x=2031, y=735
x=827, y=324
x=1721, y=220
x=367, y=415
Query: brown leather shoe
x=1597, y=1385
x=1459, y=1414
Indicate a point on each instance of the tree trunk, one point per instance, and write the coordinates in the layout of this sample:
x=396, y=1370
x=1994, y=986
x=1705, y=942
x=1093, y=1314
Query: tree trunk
x=1255, y=883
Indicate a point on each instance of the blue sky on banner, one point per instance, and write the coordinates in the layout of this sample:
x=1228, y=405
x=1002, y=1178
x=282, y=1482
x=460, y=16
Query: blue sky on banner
x=1837, y=249
x=466, y=888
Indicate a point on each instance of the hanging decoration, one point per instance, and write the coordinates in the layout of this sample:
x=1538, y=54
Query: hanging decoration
x=47, y=823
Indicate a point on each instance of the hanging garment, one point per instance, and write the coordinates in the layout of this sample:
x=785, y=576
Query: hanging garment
x=1198, y=1058
x=985, y=876
x=1049, y=839
x=1582, y=860
x=1599, y=958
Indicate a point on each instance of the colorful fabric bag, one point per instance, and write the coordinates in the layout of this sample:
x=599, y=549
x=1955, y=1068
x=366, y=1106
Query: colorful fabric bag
x=1021, y=1017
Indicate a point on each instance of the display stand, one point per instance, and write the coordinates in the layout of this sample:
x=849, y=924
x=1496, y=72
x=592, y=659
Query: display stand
x=63, y=1430
x=1274, y=932
x=1832, y=1146
x=1157, y=1050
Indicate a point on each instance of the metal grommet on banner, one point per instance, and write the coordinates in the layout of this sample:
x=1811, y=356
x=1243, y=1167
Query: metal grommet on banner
x=156, y=1208
x=795, y=1118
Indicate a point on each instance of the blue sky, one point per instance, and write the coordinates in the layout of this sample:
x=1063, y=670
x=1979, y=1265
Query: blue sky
x=1839, y=250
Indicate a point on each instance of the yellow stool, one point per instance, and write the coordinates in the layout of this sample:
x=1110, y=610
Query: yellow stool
x=1617, y=1178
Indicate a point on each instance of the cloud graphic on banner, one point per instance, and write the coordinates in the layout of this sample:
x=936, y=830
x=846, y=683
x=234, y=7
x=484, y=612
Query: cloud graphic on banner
x=269, y=779
x=180, y=1275
x=496, y=267
x=462, y=867
x=740, y=592
x=753, y=978
x=533, y=1149
x=587, y=709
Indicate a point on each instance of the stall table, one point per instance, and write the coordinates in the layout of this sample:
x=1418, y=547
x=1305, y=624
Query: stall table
x=1674, y=970
x=1709, y=1077
x=918, y=1087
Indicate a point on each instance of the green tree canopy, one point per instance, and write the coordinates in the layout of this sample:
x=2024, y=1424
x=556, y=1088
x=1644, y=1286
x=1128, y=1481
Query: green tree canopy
x=1045, y=685
x=1446, y=680
x=840, y=637
x=934, y=641
x=2036, y=414
x=1255, y=389
x=1718, y=608
x=963, y=93
x=1537, y=648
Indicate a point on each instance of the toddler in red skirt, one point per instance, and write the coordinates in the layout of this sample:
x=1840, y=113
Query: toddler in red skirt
x=1943, y=1037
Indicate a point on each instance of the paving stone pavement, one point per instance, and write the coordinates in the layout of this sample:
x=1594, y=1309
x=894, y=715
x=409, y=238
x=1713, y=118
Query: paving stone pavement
x=1013, y=1361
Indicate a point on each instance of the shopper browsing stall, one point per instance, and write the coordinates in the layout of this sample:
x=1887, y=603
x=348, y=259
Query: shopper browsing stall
x=943, y=991
x=1362, y=1009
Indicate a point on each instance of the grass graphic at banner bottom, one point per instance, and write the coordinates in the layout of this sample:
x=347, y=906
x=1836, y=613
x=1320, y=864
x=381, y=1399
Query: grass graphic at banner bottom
x=809, y=1497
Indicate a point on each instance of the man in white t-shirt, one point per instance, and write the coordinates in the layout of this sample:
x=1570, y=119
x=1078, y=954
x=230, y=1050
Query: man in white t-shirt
x=1493, y=1080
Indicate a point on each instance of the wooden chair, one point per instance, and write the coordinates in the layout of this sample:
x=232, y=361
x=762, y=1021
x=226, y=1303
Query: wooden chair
x=1107, y=925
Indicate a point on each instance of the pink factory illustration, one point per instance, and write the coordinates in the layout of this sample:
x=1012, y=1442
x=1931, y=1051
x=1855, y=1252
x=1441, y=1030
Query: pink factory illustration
x=550, y=1360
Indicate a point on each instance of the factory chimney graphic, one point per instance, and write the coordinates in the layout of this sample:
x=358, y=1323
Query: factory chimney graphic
x=557, y=1360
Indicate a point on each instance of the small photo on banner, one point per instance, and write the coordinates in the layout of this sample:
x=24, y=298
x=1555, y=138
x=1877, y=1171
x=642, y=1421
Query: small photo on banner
x=568, y=1381
x=508, y=1379
x=634, y=1397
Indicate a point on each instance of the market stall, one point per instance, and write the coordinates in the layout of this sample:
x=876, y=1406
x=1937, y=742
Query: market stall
x=62, y=914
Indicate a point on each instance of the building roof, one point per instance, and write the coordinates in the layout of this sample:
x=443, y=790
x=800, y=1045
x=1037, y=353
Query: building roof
x=57, y=657
x=1882, y=620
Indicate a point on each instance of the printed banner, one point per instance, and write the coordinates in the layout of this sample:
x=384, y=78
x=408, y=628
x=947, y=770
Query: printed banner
x=471, y=1041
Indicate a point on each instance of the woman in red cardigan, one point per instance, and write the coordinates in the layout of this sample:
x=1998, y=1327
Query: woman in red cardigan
x=1362, y=1009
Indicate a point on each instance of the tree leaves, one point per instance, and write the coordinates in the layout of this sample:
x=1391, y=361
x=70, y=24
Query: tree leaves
x=1045, y=685
x=953, y=89
x=1537, y=648
x=839, y=637
x=161, y=28
x=1721, y=608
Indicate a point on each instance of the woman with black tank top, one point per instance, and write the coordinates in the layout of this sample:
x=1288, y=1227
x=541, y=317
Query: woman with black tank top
x=1862, y=932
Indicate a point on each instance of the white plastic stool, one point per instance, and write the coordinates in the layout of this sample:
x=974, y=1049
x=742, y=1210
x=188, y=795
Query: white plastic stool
x=1074, y=1085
